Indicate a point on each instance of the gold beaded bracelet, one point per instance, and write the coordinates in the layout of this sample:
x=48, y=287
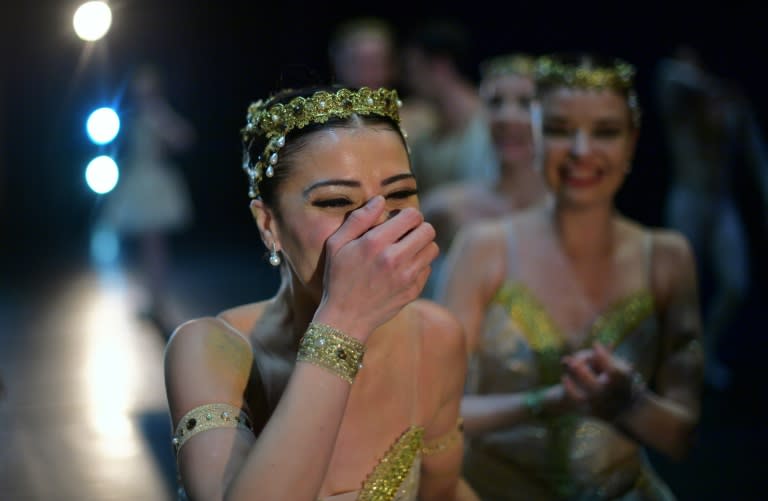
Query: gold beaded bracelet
x=208, y=417
x=331, y=349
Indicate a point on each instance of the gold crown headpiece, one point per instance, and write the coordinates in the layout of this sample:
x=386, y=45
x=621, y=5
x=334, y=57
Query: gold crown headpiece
x=585, y=74
x=508, y=64
x=275, y=121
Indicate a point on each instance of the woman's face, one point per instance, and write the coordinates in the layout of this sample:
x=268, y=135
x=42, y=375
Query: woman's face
x=508, y=104
x=337, y=171
x=588, y=141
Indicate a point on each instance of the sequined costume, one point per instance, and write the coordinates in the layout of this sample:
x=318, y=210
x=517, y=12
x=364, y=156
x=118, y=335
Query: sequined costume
x=568, y=456
x=396, y=476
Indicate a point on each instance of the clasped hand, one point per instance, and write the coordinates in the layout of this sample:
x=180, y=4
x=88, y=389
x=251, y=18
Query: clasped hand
x=598, y=382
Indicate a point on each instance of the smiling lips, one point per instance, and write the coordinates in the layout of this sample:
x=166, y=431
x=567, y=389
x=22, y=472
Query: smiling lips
x=581, y=177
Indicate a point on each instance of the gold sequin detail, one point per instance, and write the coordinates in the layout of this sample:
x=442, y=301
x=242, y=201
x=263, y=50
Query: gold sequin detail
x=544, y=337
x=208, y=417
x=535, y=325
x=622, y=318
x=385, y=480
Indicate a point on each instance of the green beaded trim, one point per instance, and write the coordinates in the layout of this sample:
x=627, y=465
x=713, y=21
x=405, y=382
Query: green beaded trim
x=208, y=417
x=533, y=400
x=331, y=349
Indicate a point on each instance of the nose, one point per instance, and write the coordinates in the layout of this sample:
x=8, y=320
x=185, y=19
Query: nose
x=580, y=145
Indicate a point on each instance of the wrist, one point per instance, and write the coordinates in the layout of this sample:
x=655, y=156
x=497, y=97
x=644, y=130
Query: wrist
x=637, y=392
x=342, y=322
x=533, y=403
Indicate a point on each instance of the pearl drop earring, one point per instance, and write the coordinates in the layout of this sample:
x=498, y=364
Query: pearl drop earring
x=274, y=257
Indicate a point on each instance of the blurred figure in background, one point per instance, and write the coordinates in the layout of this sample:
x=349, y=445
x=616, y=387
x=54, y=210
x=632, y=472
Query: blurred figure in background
x=711, y=134
x=152, y=199
x=363, y=52
x=582, y=325
x=436, y=56
x=507, y=91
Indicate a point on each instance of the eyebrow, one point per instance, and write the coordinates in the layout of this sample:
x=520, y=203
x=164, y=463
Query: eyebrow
x=355, y=184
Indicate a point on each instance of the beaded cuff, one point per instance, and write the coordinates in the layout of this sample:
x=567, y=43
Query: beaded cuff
x=446, y=441
x=331, y=349
x=208, y=417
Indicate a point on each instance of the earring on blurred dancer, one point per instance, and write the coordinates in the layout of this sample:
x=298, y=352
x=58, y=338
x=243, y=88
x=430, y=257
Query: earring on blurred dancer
x=274, y=257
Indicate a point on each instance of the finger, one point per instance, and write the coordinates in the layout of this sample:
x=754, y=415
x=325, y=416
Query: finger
x=573, y=391
x=582, y=374
x=358, y=222
x=398, y=226
x=415, y=241
x=602, y=358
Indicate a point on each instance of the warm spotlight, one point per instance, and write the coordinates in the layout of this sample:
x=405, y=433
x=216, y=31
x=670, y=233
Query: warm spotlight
x=92, y=20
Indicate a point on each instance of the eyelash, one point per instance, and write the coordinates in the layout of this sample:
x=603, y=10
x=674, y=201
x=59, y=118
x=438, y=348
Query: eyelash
x=403, y=194
x=344, y=202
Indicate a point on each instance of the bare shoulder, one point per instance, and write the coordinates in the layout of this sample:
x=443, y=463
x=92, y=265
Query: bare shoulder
x=672, y=253
x=208, y=344
x=439, y=324
x=206, y=360
x=483, y=236
x=441, y=333
x=671, y=244
x=674, y=266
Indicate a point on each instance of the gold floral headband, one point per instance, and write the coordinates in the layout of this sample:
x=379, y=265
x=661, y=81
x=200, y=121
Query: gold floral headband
x=275, y=121
x=618, y=76
x=508, y=64
x=586, y=75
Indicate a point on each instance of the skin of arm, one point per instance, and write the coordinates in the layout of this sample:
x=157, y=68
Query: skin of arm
x=666, y=418
x=440, y=472
x=207, y=362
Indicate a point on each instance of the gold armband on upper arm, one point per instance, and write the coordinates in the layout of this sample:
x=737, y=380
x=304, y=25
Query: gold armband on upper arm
x=208, y=417
x=444, y=442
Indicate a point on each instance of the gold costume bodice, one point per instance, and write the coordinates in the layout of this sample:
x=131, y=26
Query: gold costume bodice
x=396, y=476
x=568, y=456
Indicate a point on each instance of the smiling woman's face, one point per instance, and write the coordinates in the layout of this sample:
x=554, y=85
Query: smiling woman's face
x=507, y=101
x=588, y=142
x=335, y=172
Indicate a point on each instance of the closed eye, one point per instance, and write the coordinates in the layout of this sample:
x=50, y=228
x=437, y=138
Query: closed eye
x=402, y=194
x=332, y=202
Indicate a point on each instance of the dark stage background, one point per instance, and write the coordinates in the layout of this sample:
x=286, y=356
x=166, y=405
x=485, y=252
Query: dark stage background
x=218, y=56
